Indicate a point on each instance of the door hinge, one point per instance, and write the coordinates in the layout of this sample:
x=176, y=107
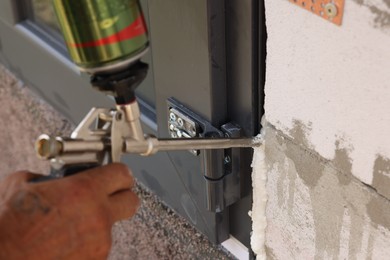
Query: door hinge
x=220, y=168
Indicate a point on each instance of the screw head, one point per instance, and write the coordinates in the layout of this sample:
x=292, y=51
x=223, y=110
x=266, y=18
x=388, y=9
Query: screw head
x=171, y=127
x=331, y=10
x=172, y=116
x=180, y=122
x=227, y=160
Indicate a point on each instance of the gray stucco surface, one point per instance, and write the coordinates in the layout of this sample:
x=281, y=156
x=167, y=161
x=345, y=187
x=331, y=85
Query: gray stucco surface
x=316, y=209
x=156, y=232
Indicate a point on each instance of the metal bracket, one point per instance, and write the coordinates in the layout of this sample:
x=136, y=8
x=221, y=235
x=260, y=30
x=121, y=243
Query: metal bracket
x=181, y=126
x=331, y=10
x=220, y=167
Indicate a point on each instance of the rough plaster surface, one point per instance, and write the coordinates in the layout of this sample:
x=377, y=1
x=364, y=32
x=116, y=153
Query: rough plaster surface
x=155, y=232
x=314, y=211
x=332, y=84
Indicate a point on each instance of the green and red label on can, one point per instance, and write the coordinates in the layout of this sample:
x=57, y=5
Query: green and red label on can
x=99, y=32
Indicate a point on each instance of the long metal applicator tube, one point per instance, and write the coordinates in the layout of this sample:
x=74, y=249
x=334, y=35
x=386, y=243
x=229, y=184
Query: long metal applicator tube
x=51, y=147
x=153, y=145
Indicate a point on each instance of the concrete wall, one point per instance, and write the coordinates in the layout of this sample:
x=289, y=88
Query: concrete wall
x=327, y=124
x=332, y=83
x=317, y=211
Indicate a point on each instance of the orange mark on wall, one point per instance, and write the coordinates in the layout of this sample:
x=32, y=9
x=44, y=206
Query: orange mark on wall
x=331, y=10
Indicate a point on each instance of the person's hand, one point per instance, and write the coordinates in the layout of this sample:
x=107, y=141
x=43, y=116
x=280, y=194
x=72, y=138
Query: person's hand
x=69, y=218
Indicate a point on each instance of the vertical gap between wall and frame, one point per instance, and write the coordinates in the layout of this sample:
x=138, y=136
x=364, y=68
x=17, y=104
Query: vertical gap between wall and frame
x=260, y=42
x=256, y=68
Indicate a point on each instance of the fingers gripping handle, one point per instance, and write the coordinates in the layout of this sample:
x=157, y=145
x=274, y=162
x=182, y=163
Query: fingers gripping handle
x=65, y=171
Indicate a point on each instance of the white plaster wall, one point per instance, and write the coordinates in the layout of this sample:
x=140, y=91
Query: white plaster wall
x=333, y=80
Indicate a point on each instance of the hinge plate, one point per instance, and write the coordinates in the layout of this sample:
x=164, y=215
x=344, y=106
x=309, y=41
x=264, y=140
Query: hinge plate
x=221, y=168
